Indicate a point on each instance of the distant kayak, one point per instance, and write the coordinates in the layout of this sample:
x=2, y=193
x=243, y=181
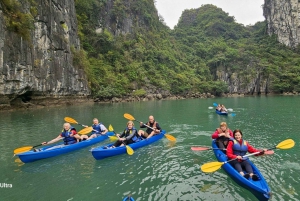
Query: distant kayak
x=128, y=198
x=106, y=151
x=259, y=188
x=47, y=152
x=221, y=113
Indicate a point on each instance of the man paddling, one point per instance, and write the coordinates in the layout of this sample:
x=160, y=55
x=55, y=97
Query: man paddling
x=68, y=134
x=153, y=128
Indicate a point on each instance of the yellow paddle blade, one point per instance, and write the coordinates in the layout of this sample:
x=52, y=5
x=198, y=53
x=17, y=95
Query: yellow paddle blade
x=110, y=128
x=22, y=149
x=129, y=150
x=113, y=138
x=286, y=144
x=170, y=137
x=70, y=120
x=211, y=167
x=85, y=131
x=129, y=117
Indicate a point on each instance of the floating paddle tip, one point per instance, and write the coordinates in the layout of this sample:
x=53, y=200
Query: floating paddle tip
x=269, y=152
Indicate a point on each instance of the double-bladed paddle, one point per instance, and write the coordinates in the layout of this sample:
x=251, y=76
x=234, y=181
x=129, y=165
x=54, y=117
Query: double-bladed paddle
x=131, y=118
x=269, y=152
x=214, y=166
x=129, y=150
x=28, y=148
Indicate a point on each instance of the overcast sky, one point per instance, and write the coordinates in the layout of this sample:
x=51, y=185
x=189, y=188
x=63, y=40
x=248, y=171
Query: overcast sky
x=245, y=11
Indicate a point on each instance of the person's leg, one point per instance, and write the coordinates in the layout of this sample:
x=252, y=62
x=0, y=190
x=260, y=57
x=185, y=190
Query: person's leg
x=92, y=136
x=249, y=170
x=220, y=144
x=237, y=166
x=84, y=137
x=151, y=134
x=117, y=143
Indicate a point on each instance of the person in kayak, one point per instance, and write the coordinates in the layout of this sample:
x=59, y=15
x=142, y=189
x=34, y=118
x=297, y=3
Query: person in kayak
x=218, y=108
x=98, y=130
x=68, y=134
x=129, y=136
x=223, y=108
x=222, y=136
x=149, y=132
x=236, y=149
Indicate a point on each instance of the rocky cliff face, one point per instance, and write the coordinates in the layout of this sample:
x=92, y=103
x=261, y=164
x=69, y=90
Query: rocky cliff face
x=283, y=18
x=41, y=67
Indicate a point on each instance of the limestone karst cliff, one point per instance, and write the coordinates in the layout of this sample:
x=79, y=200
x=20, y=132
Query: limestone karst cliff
x=41, y=66
x=283, y=19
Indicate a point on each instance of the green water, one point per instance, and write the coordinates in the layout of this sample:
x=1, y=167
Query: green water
x=162, y=171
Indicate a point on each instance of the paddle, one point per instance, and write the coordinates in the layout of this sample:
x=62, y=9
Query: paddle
x=269, y=152
x=73, y=121
x=131, y=118
x=111, y=129
x=214, y=166
x=204, y=148
x=28, y=148
x=215, y=104
x=129, y=150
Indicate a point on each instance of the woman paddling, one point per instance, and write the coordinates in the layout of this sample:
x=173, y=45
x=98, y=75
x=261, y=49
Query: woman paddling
x=237, y=148
x=129, y=135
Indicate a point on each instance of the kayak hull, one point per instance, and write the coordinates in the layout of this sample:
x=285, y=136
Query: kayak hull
x=31, y=156
x=259, y=188
x=221, y=113
x=128, y=199
x=100, y=152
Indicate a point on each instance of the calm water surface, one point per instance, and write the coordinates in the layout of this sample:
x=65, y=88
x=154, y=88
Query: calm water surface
x=163, y=171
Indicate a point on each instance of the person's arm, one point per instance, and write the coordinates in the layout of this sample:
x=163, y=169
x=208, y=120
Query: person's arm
x=229, y=151
x=215, y=135
x=253, y=150
x=54, y=140
x=104, y=130
x=122, y=135
x=158, y=128
x=142, y=125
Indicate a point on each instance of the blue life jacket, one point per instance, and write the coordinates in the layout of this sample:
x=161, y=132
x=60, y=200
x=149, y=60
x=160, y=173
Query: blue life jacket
x=67, y=138
x=240, y=149
x=97, y=128
x=128, y=132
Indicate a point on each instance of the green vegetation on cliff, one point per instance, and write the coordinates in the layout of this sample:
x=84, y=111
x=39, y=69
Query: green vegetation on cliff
x=121, y=58
x=16, y=20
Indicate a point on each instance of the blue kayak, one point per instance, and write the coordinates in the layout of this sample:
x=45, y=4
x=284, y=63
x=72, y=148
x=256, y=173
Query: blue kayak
x=45, y=152
x=259, y=188
x=101, y=152
x=221, y=113
x=128, y=198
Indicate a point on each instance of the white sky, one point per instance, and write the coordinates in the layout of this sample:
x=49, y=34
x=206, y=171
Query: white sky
x=245, y=11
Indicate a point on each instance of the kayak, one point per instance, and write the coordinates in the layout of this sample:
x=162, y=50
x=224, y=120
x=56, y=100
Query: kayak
x=221, y=113
x=46, y=152
x=128, y=199
x=106, y=151
x=259, y=188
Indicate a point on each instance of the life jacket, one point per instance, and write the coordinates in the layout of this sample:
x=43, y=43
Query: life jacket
x=128, y=132
x=68, y=139
x=97, y=127
x=240, y=149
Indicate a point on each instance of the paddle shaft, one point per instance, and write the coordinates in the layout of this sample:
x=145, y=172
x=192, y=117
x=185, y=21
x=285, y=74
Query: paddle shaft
x=243, y=157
